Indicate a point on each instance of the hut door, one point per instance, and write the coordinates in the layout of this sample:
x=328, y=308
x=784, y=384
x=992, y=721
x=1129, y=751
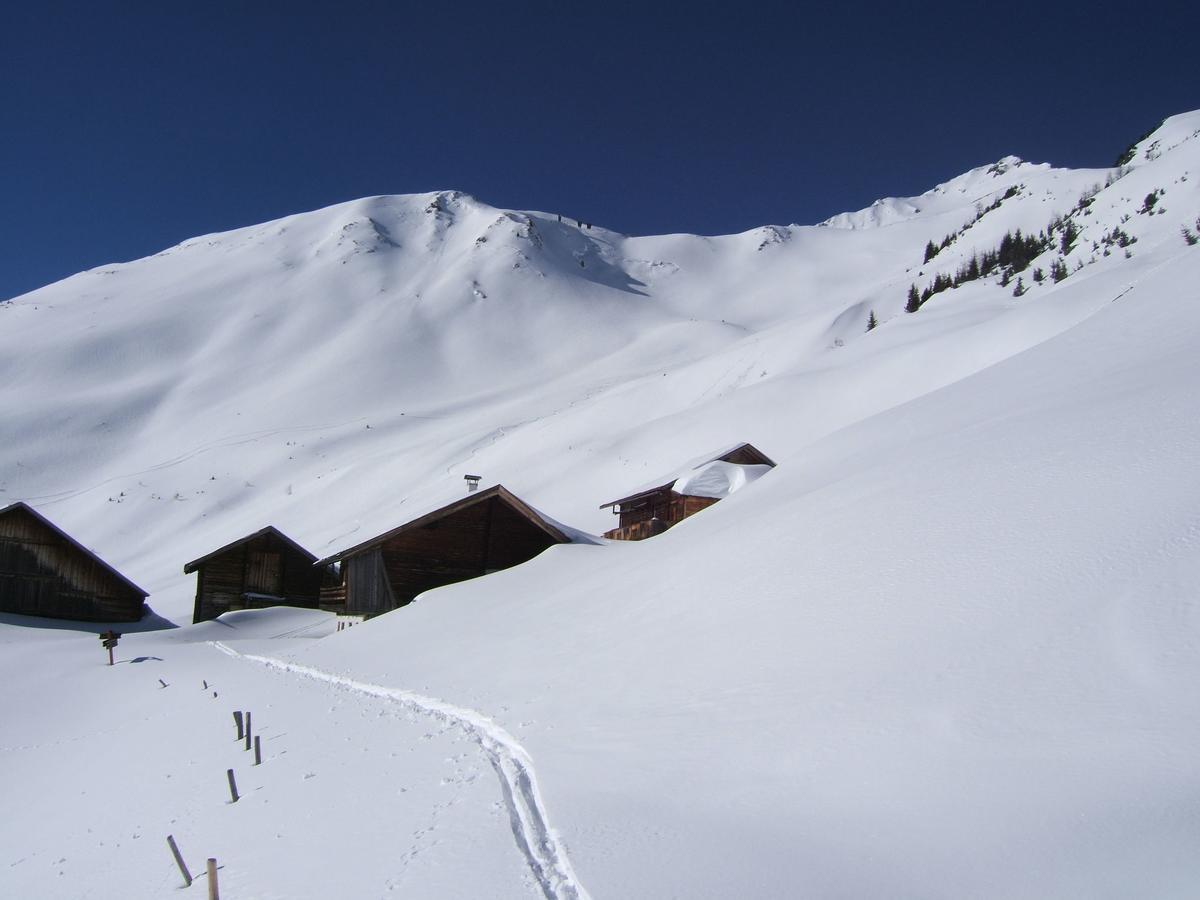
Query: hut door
x=368, y=590
x=262, y=573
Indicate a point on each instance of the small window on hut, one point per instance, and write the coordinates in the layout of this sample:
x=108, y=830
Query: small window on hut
x=262, y=575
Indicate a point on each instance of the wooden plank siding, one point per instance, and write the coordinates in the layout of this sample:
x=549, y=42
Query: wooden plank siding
x=472, y=542
x=637, y=531
x=367, y=583
x=663, y=504
x=470, y=539
x=333, y=593
x=655, y=513
x=264, y=569
x=45, y=573
x=652, y=511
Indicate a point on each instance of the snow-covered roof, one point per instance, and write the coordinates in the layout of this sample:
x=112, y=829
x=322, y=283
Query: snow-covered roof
x=717, y=479
x=686, y=474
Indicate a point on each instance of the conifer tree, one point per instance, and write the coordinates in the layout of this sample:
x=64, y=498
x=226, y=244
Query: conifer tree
x=872, y=322
x=931, y=251
x=1020, y=288
x=914, y=300
x=1070, y=232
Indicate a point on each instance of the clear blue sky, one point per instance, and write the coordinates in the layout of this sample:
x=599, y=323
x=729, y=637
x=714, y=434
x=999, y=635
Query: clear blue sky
x=127, y=131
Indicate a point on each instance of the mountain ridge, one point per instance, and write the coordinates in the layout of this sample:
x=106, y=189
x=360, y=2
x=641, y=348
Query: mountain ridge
x=441, y=322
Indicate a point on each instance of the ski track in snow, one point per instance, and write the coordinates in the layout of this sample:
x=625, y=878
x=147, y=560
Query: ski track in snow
x=538, y=842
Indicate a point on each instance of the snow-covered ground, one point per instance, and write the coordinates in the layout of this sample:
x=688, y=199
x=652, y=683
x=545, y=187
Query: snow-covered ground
x=946, y=648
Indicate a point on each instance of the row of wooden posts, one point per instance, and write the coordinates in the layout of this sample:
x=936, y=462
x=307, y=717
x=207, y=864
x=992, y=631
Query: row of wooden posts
x=243, y=729
x=244, y=723
x=214, y=892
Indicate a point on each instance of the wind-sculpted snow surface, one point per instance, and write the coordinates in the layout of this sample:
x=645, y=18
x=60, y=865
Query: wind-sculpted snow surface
x=541, y=846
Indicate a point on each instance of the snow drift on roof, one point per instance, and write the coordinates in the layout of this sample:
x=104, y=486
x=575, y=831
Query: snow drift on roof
x=718, y=479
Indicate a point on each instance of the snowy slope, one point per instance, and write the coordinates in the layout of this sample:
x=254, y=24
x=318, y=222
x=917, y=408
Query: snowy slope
x=945, y=648
x=283, y=373
x=947, y=652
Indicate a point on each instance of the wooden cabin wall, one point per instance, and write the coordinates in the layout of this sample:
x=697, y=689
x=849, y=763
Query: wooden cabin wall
x=300, y=580
x=264, y=565
x=368, y=591
x=465, y=544
x=660, y=511
x=333, y=588
x=638, y=531
x=693, y=505
x=219, y=585
x=653, y=506
x=444, y=551
x=513, y=539
x=43, y=575
x=664, y=504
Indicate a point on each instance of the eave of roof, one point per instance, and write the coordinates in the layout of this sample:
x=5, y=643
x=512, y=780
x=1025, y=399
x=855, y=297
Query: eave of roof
x=496, y=491
x=262, y=532
x=20, y=505
x=687, y=467
x=645, y=492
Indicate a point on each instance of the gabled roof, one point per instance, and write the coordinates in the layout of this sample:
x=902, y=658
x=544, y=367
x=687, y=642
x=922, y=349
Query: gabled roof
x=29, y=510
x=262, y=532
x=498, y=492
x=745, y=453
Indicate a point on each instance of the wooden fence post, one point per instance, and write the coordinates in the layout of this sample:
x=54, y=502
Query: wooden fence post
x=257, y=751
x=232, y=786
x=237, y=718
x=187, y=876
x=213, y=892
x=247, y=747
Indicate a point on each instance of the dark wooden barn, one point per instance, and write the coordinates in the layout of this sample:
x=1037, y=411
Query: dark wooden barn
x=652, y=510
x=263, y=569
x=46, y=572
x=482, y=533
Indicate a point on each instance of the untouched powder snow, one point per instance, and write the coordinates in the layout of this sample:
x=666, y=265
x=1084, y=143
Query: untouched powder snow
x=947, y=648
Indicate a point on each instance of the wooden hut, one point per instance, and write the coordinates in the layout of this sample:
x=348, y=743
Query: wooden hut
x=46, y=572
x=482, y=533
x=652, y=510
x=263, y=569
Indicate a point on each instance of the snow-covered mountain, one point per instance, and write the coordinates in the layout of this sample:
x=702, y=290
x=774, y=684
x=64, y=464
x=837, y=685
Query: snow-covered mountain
x=945, y=648
x=321, y=370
